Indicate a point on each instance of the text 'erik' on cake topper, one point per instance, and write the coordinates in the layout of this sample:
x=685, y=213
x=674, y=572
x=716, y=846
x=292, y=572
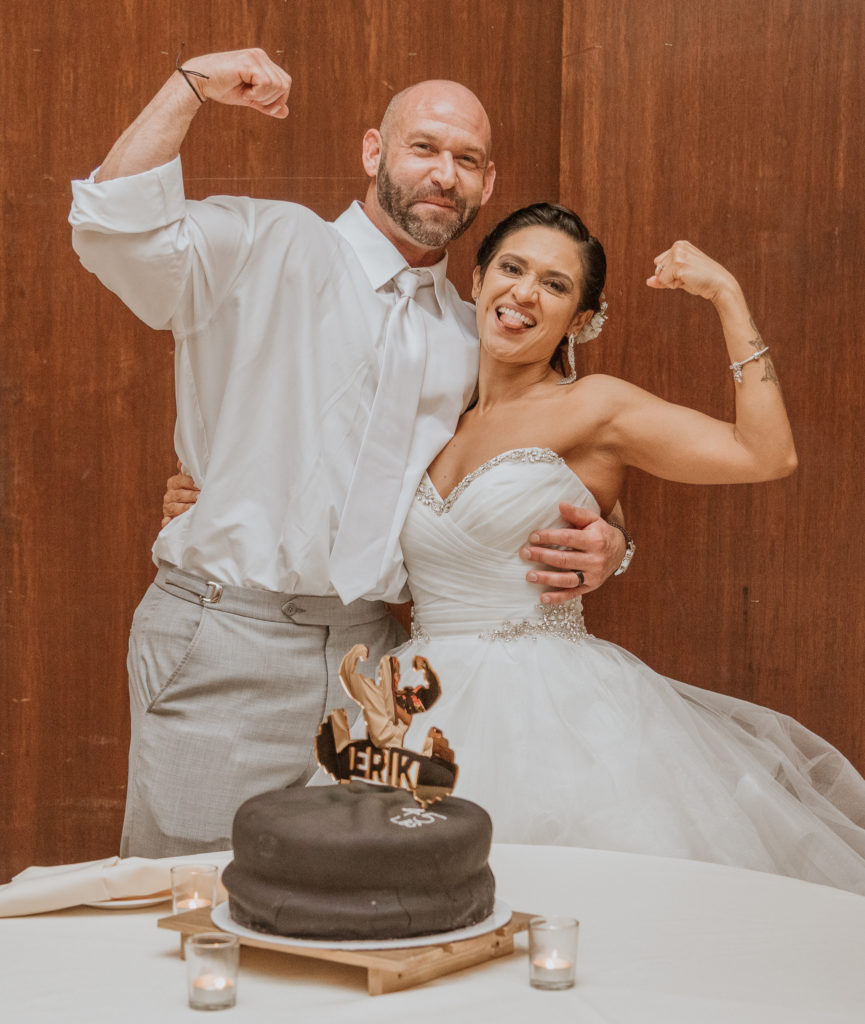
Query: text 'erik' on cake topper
x=387, y=710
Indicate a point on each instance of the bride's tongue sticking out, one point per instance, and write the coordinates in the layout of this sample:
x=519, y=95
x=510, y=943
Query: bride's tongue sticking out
x=512, y=319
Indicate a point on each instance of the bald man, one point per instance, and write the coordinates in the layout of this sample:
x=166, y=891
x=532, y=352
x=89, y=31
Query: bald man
x=329, y=360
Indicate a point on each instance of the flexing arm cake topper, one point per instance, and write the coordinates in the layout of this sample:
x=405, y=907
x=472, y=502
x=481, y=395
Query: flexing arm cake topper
x=387, y=710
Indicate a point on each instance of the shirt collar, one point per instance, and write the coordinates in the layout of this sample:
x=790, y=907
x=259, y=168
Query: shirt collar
x=380, y=259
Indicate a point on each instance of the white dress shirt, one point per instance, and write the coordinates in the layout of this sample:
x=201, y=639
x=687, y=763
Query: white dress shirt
x=279, y=319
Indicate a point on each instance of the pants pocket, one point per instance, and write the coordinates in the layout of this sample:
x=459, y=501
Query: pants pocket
x=165, y=632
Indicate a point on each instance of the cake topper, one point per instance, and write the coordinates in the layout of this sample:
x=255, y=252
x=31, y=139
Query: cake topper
x=387, y=710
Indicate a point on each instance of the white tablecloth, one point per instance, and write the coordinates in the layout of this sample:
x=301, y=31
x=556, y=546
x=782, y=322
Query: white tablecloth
x=661, y=942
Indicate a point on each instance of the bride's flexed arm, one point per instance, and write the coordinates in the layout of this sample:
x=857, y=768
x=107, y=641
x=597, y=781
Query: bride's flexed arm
x=682, y=444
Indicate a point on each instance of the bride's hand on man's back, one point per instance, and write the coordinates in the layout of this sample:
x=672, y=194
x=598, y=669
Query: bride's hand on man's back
x=180, y=495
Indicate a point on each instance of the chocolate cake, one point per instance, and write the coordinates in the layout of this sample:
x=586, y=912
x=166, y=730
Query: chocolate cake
x=358, y=861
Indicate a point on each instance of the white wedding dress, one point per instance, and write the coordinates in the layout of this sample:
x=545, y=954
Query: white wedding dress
x=568, y=739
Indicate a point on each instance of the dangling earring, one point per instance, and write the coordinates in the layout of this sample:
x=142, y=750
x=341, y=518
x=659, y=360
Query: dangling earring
x=572, y=340
x=586, y=333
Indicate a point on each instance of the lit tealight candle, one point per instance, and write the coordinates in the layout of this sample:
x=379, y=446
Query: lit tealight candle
x=193, y=903
x=211, y=970
x=213, y=983
x=193, y=887
x=553, y=968
x=211, y=991
x=552, y=952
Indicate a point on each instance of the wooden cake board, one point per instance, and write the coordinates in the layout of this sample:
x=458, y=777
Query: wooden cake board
x=388, y=970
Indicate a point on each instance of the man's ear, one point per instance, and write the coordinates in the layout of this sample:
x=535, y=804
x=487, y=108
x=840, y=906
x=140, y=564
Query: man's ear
x=489, y=181
x=372, y=148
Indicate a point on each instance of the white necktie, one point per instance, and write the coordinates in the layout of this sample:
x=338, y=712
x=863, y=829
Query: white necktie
x=361, y=540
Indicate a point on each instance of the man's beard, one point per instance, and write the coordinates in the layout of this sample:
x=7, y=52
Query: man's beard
x=397, y=204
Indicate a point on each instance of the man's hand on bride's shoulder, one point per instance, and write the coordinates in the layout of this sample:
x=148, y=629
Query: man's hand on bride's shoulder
x=573, y=560
x=180, y=495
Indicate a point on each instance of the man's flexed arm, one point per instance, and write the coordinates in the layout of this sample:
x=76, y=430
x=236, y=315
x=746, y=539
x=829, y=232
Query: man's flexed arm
x=239, y=78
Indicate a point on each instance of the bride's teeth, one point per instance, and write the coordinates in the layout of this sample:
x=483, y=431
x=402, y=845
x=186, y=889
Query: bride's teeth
x=513, y=317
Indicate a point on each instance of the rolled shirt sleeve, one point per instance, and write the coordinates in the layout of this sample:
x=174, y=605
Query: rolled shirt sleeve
x=172, y=262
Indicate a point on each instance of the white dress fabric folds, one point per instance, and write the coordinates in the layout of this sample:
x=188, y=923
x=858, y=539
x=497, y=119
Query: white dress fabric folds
x=567, y=739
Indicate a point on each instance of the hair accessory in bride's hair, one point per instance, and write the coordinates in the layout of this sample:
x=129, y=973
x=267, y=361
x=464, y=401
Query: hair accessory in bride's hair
x=594, y=327
x=388, y=710
x=589, y=332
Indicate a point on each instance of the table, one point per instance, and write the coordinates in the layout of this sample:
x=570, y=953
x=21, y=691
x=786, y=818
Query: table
x=662, y=941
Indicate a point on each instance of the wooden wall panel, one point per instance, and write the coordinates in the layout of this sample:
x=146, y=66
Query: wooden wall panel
x=87, y=396
x=722, y=121
x=735, y=125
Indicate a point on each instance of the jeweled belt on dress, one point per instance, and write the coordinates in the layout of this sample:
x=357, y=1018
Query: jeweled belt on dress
x=564, y=621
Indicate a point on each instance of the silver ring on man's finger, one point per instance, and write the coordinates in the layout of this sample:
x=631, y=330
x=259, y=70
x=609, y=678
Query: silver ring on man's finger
x=581, y=577
x=658, y=269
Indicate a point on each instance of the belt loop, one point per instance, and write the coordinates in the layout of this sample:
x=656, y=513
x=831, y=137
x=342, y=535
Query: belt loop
x=213, y=593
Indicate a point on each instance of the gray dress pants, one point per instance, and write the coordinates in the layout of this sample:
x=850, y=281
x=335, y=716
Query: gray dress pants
x=226, y=698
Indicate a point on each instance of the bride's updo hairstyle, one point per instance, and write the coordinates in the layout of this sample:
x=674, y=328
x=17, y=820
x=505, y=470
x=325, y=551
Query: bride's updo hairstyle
x=560, y=218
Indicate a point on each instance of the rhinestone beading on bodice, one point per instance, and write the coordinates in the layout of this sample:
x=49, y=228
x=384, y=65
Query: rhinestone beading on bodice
x=462, y=551
x=564, y=621
x=428, y=495
x=418, y=633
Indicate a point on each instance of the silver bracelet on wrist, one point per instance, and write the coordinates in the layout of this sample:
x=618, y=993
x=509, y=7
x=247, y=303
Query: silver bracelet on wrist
x=630, y=547
x=737, y=367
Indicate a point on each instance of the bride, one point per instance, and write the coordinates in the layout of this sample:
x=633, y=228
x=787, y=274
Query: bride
x=562, y=737
x=565, y=738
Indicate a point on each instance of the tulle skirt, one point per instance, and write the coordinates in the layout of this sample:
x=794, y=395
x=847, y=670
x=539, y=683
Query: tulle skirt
x=582, y=744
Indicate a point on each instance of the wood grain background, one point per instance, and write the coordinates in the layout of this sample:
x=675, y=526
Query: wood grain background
x=734, y=124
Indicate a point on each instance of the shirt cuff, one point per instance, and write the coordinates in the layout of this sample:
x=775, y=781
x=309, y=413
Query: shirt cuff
x=140, y=202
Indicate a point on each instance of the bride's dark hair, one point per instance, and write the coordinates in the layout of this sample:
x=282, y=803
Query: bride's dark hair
x=560, y=218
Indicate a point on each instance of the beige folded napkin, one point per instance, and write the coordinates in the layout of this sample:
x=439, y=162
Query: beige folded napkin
x=38, y=889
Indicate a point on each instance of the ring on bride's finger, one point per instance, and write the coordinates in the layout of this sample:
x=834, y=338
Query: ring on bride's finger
x=581, y=577
x=658, y=269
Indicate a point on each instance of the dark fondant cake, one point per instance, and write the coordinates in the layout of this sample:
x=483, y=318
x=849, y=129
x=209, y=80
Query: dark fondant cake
x=358, y=861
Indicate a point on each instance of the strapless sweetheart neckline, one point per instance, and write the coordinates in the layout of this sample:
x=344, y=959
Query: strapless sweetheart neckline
x=527, y=454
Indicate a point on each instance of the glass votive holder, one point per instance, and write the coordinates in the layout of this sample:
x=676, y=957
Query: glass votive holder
x=193, y=886
x=211, y=970
x=553, y=952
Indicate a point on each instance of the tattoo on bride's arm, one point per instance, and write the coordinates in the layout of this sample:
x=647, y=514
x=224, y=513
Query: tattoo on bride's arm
x=757, y=343
x=769, y=373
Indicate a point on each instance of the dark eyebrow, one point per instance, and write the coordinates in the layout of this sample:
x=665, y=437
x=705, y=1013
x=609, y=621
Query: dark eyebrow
x=511, y=256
